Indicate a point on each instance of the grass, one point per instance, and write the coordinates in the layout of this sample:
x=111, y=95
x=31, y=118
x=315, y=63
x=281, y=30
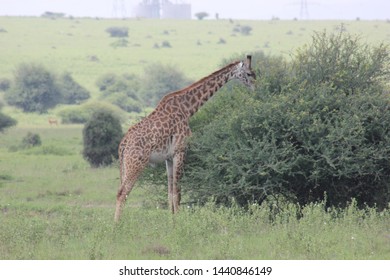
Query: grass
x=54, y=206
x=84, y=48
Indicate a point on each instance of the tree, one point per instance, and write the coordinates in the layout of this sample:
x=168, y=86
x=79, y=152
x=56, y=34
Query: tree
x=121, y=91
x=34, y=89
x=201, y=15
x=71, y=91
x=159, y=80
x=101, y=137
x=314, y=127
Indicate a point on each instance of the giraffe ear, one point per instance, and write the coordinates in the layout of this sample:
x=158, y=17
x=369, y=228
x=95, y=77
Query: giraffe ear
x=249, y=61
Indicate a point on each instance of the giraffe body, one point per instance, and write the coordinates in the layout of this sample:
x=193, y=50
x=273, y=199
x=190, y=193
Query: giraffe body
x=161, y=136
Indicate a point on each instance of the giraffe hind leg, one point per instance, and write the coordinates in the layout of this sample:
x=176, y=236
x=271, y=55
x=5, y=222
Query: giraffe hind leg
x=121, y=197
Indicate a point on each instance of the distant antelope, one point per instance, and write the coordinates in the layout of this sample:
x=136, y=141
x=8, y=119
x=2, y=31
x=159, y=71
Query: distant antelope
x=53, y=121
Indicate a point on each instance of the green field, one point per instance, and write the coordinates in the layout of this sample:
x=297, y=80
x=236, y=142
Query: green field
x=54, y=206
x=69, y=44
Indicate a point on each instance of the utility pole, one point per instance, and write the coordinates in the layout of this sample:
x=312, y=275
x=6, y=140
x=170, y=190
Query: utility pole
x=304, y=14
x=119, y=9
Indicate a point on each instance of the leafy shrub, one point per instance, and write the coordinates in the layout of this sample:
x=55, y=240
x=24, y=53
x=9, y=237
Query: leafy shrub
x=121, y=43
x=245, y=30
x=341, y=60
x=4, y=84
x=34, y=89
x=121, y=91
x=71, y=91
x=118, y=31
x=166, y=44
x=5, y=121
x=307, y=131
x=101, y=137
x=31, y=140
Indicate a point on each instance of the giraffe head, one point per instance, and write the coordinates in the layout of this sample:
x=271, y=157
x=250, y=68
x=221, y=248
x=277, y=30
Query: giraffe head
x=244, y=73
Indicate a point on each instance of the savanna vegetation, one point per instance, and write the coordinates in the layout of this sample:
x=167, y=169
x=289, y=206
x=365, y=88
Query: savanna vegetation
x=297, y=169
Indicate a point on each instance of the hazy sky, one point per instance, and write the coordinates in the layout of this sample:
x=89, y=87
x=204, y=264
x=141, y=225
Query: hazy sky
x=237, y=9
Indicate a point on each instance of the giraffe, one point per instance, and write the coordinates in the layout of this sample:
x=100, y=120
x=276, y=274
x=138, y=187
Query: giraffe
x=161, y=135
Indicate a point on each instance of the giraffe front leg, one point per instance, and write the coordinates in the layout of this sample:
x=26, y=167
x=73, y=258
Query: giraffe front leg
x=169, y=164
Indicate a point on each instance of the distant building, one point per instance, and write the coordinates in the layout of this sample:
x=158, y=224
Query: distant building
x=176, y=11
x=163, y=9
x=148, y=9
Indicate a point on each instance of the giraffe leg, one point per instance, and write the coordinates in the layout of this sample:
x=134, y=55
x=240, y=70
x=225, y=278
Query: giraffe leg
x=169, y=164
x=121, y=197
x=127, y=183
x=178, y=163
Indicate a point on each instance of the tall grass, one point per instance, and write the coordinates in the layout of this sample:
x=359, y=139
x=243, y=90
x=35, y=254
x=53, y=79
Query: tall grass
x=208, y=232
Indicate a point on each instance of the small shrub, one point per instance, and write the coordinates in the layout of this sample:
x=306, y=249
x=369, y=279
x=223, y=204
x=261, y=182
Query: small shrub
x=31, y=140
x=221, y=41
x=121, y=91
x=245, y=30
x=101, y=137
x=121, y=43
x=6, y=121
x=71, y=91
x=118, y=31
x=166, y=44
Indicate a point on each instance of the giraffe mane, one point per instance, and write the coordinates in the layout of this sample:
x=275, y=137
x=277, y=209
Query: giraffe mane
x=201, y=81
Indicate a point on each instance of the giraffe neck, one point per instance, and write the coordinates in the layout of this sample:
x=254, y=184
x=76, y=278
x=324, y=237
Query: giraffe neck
x=190, y=99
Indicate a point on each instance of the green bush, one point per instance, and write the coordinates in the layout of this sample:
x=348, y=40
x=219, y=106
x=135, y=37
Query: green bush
x=34, y=89
x=118, y=31
x=305, y=132
x=5, y=121
x=31, y=140
x=5, y=84
x=342, y=61
x=71, y=91
x=158, y=80
x=101, y=137
x=121, y=91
